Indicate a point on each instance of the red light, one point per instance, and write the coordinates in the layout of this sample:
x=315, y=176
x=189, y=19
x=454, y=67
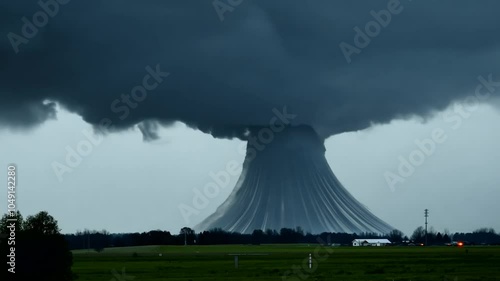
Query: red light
x=460, y=244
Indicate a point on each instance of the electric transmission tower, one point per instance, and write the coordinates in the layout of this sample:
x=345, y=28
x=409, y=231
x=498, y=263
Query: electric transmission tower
x=426, y=214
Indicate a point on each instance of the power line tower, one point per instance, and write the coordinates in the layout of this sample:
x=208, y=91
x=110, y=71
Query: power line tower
x=426, y=214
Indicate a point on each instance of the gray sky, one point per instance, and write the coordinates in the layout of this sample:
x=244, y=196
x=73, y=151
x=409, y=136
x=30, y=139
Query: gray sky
x=127, y=185
x=371, y=77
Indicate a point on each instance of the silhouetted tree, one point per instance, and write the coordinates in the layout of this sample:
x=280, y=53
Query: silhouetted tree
x=257, y=236
x=439, y=239
x=396, y=236
x=272, y=236
x=188, y=235
x=158, y=237
x=41, y=223
x=446, y=239
x=41, y=252
x=418, y=235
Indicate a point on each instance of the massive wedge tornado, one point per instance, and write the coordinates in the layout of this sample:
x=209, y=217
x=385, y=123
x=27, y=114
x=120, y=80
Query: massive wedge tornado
x=289, y=183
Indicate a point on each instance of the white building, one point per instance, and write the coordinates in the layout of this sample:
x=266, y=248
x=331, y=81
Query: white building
x=370, y=242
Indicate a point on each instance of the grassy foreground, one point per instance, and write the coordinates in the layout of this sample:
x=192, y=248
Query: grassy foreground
x=287, y=262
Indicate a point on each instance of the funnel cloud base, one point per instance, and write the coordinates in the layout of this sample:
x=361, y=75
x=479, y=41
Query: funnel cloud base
x=289, y=184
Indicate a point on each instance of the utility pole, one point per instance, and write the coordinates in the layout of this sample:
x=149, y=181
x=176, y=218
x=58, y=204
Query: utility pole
x=426, y=214
x=185, y=238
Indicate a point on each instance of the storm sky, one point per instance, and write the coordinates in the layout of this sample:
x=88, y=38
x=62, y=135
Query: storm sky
x=221, y=69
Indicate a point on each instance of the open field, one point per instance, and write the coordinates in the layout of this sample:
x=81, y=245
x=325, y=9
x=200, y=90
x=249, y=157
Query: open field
x=273, y=262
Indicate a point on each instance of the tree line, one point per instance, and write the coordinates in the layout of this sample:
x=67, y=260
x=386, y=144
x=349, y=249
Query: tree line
x=98, y=240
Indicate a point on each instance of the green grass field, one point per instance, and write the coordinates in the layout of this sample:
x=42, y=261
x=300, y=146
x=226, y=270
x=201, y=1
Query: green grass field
x=287, y=262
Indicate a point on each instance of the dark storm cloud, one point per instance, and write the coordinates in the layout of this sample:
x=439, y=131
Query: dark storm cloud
x=228, y=76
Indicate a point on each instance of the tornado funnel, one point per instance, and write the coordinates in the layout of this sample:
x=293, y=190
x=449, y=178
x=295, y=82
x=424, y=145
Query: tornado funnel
x=288, y=183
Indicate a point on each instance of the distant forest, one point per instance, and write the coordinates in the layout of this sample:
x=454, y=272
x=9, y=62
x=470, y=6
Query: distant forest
x=98, y=240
